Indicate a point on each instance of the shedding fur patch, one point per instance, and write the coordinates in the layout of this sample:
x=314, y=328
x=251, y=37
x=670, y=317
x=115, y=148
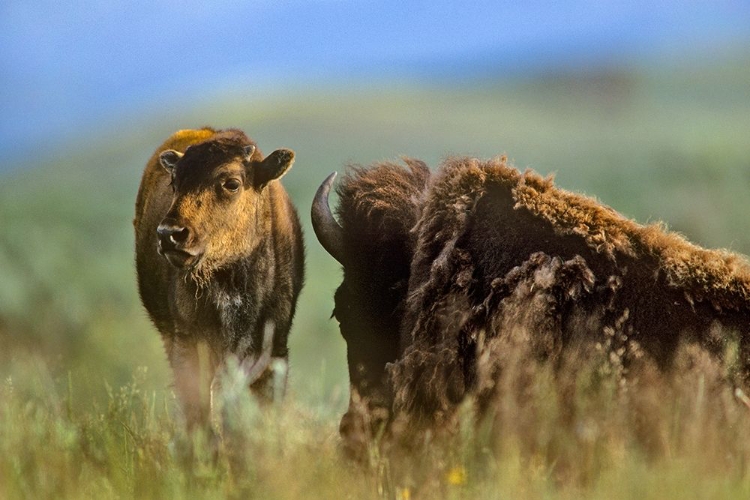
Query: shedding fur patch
x=720, y=276
x=456, y=328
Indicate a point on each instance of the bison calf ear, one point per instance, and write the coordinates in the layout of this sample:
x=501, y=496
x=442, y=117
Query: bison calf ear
x=273, y=167
x=169, y=159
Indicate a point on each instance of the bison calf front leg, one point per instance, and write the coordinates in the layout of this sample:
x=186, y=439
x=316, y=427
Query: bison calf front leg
x=193, y=366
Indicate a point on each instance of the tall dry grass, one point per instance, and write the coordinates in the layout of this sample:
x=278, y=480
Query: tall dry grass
x=597, y=430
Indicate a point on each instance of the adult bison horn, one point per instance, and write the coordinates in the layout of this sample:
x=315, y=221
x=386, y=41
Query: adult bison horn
x=330, y=234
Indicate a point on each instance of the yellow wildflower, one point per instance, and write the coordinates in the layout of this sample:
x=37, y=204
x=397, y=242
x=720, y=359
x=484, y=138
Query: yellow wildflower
x=457, y=476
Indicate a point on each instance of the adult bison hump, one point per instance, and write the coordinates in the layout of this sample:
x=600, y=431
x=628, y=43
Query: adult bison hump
x=219, y=259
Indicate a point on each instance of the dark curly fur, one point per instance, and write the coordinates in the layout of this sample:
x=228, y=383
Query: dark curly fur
x=441, y=271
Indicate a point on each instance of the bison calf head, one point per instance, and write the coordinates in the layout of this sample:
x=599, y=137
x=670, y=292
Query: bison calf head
x=214, y=212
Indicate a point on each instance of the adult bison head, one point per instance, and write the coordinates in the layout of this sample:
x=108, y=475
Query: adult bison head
x=377, y=208
x=214, y=211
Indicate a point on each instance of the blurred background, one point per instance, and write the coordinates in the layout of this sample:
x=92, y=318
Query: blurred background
x=645, y=105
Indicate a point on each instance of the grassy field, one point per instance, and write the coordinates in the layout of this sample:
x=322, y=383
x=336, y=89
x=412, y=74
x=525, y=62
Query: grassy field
x=86, y=408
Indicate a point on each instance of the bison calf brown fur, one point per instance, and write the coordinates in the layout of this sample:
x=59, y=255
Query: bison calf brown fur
x=441, y=271
x=219, y=259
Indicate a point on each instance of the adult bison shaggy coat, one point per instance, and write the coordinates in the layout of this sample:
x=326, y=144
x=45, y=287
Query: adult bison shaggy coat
x=443, y=273
x=219, y=256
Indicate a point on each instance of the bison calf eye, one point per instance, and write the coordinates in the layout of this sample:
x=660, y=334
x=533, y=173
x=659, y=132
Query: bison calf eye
x=232, y=185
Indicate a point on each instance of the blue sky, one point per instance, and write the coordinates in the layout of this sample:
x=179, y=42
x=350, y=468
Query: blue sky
x=65, y=65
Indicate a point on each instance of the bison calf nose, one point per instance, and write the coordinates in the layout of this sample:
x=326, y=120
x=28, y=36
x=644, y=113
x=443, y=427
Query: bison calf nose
x=172, y=235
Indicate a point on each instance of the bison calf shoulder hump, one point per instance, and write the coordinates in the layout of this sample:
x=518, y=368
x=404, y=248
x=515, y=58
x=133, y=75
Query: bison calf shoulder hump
x=219, y=259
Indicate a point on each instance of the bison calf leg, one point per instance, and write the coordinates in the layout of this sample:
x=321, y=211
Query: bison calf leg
x=266, y=374
x=193, y=367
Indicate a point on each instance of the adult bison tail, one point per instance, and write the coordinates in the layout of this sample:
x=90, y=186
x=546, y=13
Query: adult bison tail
x=327, y=229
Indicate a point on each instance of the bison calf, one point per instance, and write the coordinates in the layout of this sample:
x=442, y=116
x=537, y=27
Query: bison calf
x=219, y=258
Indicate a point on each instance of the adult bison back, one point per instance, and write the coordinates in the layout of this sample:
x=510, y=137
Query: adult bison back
x=219, y=258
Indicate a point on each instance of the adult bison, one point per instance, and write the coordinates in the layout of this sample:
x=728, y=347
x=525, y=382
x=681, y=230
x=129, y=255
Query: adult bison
x=442, y=273
x=219, y=257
